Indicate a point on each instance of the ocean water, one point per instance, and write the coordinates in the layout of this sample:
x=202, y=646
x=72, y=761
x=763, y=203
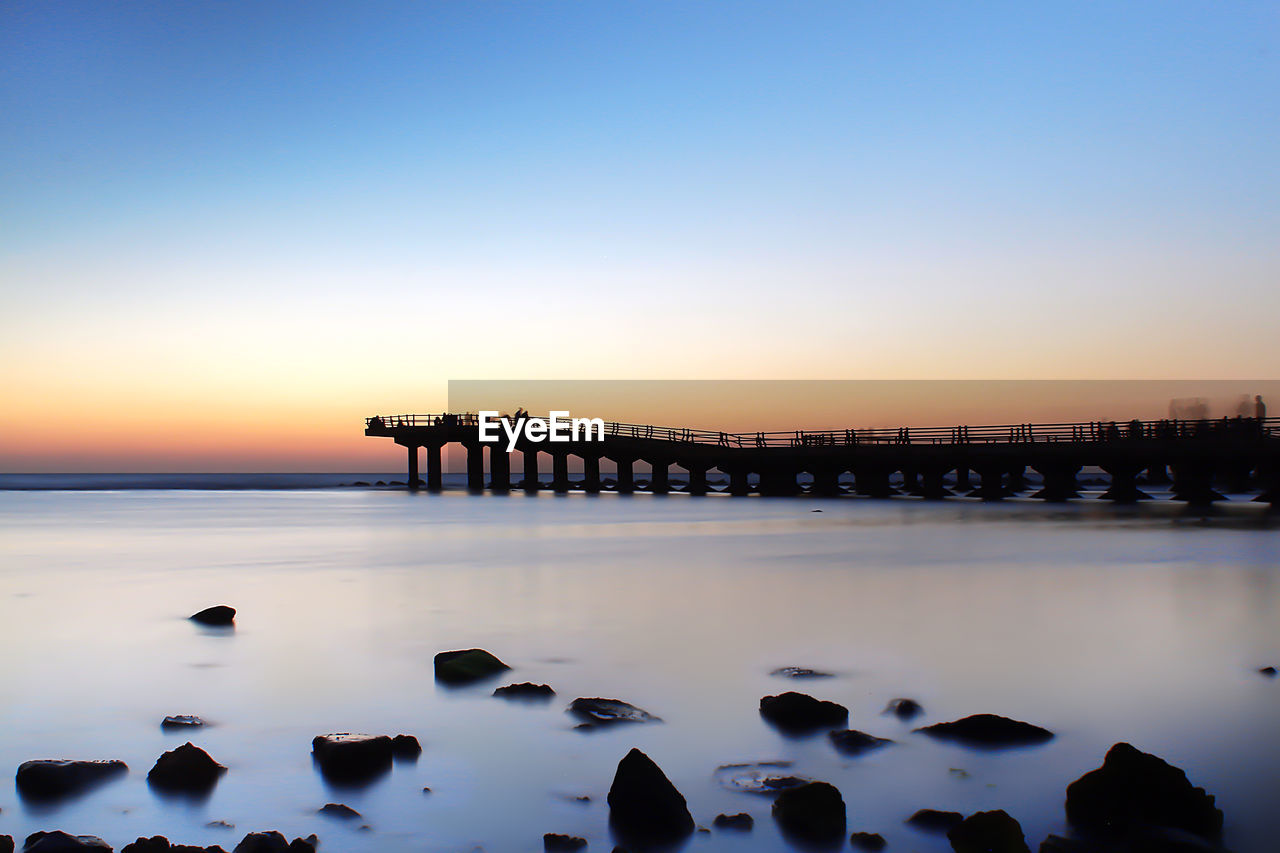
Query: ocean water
x=1143, y=625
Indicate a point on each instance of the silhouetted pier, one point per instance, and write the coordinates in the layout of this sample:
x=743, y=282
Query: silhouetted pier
x=1196, y=457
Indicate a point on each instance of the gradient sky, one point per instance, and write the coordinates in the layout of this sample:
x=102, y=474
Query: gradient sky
x=230, y=230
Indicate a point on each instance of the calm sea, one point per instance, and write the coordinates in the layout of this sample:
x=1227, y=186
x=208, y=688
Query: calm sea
x=1142, y=625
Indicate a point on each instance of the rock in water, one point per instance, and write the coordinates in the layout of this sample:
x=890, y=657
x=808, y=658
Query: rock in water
x=932, y=820
x=467, y=666
x=903, y=709
x=644, y=805
x=262, y=842
x=871, y=841
x=406, y=747
x=764, y=777
x=52, y=779
x=1133, y=789
x=988, y=832
x=607, y=712
x=811, y=814
x=854, y=742
x=1268, y=671
x=799, y=713
x=160, y=844
x=989, y=730
x=60, y=842
x=339, y=810
x=187, y=769
x=219, y=615
x=182, y=721
x=801, y=671
x=741, y=822
x=554, y=843
x=6, y=844
x=526, y=690
x=353, y=758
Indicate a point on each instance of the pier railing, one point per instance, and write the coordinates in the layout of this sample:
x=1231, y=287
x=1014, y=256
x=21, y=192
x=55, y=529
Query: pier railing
x=1084, y=431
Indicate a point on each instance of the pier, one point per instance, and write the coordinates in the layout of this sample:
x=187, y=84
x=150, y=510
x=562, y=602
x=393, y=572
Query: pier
x=1198, y=460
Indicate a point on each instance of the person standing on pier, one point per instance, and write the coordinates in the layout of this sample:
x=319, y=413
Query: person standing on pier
x=1259, y=408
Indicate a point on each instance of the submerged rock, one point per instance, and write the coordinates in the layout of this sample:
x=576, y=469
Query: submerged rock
x=932, y=820
x=525, y=690
x=346, y=757
x=903, y=709
x=801, y=671
x=988, y=832
x=1133, y=789
x=555, y=843
x=989, y=730
x=182, y=721
x=799, y=713
x=341, y=811
x=53, y=779
x=741, y=822
x=854, y=742
x=60, y=842
x=406, y=747
x=872, y=841
x=1268, y=671
x=186, y=769
x=644, y=805
x=764, y=777
x=219, y=615
x=467, y=666
x=607, y=712
x=812, y=813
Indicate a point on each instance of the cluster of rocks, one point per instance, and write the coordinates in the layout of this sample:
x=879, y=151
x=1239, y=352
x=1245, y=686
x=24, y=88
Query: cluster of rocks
x=58, y=841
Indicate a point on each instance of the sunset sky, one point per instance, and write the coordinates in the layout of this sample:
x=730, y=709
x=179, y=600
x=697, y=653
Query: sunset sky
x=229, y=231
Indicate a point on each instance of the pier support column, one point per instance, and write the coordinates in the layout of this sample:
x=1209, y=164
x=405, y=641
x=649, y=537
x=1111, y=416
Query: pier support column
x=591, y=474
x=475, y=467
x=1059, y=481
x=1124, y=483
x=413, y=466
x=560, y=471
x=659, y=480
x=991, y=486
x=1269, y=482
x=626, y=476
x=435, y=468
x=826, y=482
x=872, y=481
x=911, y=481
x=778, y=482
x=932, y=484
x=499, y=468
x=1158, y=474
x=530, y=483
x=1017, y=479
x=739, y=485
x=963, y=484
x=697, y=481
x=1193, y=483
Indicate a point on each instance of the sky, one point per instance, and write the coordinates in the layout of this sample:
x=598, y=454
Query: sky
x=230, y=231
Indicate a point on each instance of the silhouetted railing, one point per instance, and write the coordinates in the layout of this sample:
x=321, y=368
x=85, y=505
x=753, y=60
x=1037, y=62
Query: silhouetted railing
x=1092, y=431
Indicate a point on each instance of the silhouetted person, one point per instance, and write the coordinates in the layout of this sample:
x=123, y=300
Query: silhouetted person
x=1259, y=408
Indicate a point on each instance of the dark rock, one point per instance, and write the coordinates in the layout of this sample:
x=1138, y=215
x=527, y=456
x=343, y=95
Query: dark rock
x=741, y=822
x=988, y=832
x=932, y=820
x=426, y=790
x=355, y=758
x=562, y=843
x=854, y=742
x=219, y=615
x=989, y=730
x=182, y=721
x=1268, y=671
x=812, y=813
x=765, y=777
x=644, y=805
x=338, y=810
x=800, y=671
x=262, y=842
x=405, y=747
x=799, y=713
x=1133, y=789
x=220, y=824
x=186, y=769
x=467, y=666
x=360, y=483
x=607, y=712
x=60, y=842
x=304, y=845
x=867, y=841
x=526, y=690
x=6, y=844
x=903, y=709
x=52, y=779
x=155, y=844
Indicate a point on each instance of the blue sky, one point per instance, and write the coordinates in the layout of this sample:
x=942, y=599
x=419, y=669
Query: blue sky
x=228, y=199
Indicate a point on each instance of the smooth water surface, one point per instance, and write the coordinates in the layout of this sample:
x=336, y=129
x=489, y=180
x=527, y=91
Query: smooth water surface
x=1102, y=625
